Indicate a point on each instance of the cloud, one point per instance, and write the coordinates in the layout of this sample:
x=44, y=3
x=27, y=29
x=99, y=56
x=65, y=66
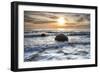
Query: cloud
x=48, y=20
x=49, y=17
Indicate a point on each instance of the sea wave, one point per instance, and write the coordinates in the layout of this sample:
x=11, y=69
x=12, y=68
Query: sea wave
x=37, y=48
x=38, y=34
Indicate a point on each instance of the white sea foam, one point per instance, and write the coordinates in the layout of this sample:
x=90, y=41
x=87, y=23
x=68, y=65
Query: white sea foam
x=46, y=48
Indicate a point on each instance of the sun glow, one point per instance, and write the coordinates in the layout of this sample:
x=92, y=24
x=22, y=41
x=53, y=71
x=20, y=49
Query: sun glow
x=61, y=20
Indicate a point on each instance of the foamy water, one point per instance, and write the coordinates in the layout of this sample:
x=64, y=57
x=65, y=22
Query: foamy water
x=37, y=48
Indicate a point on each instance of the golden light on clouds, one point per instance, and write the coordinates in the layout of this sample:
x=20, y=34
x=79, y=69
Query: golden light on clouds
x=56, y=20
x=61, y=21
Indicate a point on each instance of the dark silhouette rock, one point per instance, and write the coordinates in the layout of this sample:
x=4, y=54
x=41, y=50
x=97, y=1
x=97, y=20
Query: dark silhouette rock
x=61, y=37
x=44, y=34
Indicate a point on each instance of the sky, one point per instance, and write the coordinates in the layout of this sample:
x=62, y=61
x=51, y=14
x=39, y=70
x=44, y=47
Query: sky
x=56, y=20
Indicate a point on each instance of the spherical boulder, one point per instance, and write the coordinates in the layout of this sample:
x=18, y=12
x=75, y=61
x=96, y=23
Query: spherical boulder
x=43, y=34
x=61, y=38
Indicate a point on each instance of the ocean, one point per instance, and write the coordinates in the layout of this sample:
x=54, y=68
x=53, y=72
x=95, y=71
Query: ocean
x=45, y=48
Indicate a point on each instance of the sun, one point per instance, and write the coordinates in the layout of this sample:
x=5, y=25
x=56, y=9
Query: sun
x=61, y=21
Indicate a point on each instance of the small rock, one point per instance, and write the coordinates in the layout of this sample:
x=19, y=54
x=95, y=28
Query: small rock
x=44, y=34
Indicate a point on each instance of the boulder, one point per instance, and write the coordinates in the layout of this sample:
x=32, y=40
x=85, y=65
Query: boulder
x=61, y=37
x=43, y=34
